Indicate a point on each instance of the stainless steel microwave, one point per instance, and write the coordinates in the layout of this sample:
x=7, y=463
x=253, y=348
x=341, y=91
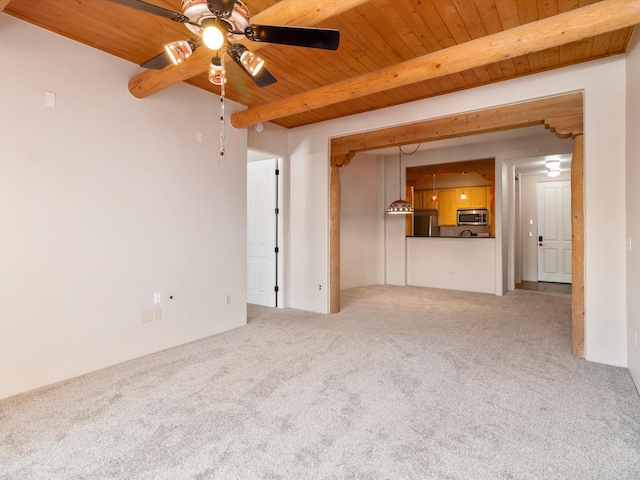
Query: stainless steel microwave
x=479, y=216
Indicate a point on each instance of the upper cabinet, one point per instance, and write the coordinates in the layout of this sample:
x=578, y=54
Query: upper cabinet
x=478, y=197
x=448, y=202
x=422, y=200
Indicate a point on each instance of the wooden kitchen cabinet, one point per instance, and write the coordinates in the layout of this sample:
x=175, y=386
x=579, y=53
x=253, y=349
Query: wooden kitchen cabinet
x=466, y=203
x=448, y=207
x=450, y=202
x=422, y=200
x=478, y=197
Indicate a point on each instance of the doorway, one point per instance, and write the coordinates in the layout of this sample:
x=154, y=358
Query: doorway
x=262, y=232
x=554, y=232
x=561, y=114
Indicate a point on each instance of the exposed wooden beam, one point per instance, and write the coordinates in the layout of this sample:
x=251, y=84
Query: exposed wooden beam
x=518, y=115
x=3, y=4
x=285, y=12
x=566, y=127
x=574, y=25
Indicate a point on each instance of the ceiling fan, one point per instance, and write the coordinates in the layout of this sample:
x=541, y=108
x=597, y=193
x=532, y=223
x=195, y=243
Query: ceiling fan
x=217, y=23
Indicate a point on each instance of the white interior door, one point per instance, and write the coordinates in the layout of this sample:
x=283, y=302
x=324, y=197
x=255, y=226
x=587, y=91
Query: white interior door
x=554, y=231
x=261, y=232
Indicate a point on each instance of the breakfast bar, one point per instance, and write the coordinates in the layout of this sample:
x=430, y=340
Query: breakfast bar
x=450, y=262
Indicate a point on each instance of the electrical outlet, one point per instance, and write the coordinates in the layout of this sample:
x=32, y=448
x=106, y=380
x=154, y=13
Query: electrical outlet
x=320, y=287
x=157, y=298
x=227, y=300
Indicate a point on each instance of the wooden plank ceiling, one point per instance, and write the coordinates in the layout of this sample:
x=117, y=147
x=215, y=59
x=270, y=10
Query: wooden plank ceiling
x=374, y=35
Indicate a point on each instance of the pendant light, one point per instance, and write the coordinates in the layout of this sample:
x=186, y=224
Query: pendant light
x=400, y=206
x=464, y=195
x=434, y=197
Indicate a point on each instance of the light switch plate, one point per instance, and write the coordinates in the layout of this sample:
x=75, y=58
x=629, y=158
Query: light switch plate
x=49, y=99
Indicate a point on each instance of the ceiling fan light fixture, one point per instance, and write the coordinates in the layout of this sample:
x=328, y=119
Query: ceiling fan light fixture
x=213, y=37
x=216, y=72
x=179, y=51
x=247, y=60
x=252, y=62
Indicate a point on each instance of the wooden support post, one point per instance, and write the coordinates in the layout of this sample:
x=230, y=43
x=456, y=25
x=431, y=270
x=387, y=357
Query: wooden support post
x=334, y=239
x=577, y=245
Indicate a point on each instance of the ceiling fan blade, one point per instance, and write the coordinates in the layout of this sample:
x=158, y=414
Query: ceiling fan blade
x=154, y=9
x=263, y=78
x=158, y=62
x=325, y=38
x=221, y=8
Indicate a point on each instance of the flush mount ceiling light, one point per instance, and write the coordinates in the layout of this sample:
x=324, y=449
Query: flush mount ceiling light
x=400, y=206
x=553, y=167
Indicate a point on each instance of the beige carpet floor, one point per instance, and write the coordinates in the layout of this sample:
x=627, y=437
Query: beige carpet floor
x=404, y=383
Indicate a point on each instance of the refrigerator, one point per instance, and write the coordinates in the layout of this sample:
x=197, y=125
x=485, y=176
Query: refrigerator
x=425, y=223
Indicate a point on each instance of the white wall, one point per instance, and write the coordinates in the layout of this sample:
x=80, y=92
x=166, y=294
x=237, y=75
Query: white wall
x=106, y=199
x=633, y=204
x=602, y=81
x=359, y=216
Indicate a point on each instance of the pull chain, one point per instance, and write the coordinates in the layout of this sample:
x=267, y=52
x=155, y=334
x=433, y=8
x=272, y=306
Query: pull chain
x=222, y=121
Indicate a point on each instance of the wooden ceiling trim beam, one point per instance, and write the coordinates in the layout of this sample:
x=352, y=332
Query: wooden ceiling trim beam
x=518, y=115
x=285, y=12
x=565, y=127
x=575, y=25
x=3, y=4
